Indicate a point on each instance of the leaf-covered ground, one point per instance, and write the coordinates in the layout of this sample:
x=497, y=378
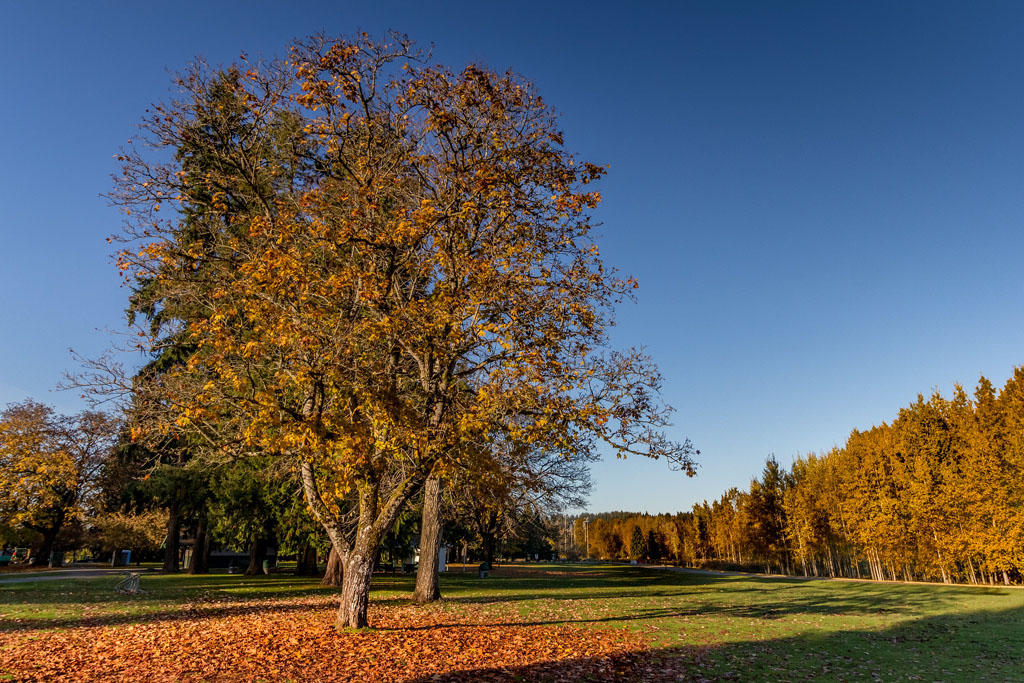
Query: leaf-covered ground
x=534, y=623
x=293, y=639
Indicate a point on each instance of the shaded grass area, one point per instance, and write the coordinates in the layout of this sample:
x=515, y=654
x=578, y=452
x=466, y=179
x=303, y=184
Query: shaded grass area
x=696, y=626
x=753, y=628
x=90, y=602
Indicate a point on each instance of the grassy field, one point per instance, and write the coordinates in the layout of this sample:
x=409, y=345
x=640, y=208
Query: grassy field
x=672, y=625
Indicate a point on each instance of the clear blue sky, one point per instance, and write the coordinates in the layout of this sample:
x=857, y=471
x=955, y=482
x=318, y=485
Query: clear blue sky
x=823, y=201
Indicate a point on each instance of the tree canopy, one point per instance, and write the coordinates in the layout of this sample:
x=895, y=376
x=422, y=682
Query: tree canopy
x=377, y=265
x=50, y=467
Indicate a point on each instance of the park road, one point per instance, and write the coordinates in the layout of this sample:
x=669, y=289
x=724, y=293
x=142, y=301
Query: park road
x=60, y=574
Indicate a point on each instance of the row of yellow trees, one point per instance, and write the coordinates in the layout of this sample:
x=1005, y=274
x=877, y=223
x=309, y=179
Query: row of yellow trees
x=631, y=536
x=937, y=495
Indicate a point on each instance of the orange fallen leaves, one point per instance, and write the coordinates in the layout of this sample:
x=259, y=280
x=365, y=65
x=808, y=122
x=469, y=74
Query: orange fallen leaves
x=294, y=639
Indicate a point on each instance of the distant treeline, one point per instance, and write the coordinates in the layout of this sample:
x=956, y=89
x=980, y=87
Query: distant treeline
x=935, y=495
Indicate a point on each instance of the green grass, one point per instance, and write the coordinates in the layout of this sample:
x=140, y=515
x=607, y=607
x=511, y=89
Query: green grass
x=715, y=627
x=751, y=628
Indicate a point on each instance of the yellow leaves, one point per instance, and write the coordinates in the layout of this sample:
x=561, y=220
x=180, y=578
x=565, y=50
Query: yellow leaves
x=45, y=460
x=219, y=201
x=251, y=349
x=444, y=262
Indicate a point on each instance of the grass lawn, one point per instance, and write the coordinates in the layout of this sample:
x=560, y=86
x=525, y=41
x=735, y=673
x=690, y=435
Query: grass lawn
x=536, y=622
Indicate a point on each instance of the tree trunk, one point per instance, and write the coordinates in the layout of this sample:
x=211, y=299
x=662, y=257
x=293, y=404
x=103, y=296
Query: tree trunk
x=257, y=553
x=938, y=555
x=488, y=543
x=173, y=532
x=487, y=527
x=875, y=565
x=199, y=563
x=374, y=521
x=42, y=558
x=355, y=585
x=355, y=589
x=428, y=587
x=306, y=564
x=335, y=570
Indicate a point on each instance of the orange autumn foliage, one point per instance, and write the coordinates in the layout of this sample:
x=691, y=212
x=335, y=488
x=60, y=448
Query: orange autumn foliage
x=294, y=639
x=379, y=265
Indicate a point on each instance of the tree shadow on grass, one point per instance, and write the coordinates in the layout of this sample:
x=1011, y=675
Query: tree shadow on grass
x=177, y=597
x=974, y=646
x=192, y=612
x=593, y=597
x=684, y=594
x=168, y=587
x=520, y=579
x=162, y=583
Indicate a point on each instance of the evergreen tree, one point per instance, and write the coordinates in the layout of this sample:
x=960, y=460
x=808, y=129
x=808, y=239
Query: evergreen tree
x=637, y=544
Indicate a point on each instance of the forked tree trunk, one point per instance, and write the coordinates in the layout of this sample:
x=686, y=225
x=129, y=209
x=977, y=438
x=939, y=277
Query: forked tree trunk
x=335, y=570
x=428, y=586
x=374, y=520
x=355, y=585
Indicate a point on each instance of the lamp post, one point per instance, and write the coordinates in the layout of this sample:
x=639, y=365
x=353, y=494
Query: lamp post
x=586, y=533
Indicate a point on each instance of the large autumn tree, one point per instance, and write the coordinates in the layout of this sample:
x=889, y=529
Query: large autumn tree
x=50, y=467
x=393, y=261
